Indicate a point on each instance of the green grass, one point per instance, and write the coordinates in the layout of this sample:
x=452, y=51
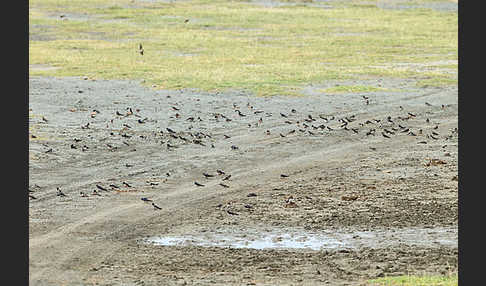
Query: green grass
x=409, y=280
x=237, y=45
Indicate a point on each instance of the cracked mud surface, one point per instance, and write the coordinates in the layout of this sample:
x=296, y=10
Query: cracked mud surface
x=386, y=165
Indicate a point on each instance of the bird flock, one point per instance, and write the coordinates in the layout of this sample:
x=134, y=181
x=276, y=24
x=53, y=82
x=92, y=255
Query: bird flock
x=124, y=128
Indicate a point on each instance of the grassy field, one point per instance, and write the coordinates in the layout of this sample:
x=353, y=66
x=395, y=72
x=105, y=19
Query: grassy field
x=450, y=280
x=218, y=45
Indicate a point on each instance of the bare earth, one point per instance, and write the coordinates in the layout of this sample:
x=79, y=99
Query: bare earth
x=340, y=177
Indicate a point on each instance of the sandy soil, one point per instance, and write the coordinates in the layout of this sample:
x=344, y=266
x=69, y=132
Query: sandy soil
x=384, y=164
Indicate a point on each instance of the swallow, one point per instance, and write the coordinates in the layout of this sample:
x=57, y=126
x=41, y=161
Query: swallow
x=170, y=130
x=411, y=114
x=170, y=146
x=258, y=111
x=101, y=188
x=267, y=132
x=355, y=130
x=208, y=175
x=190, y=119
x=140, y=46
x=281, y=135
x=175, y=108
x=405, y=130
x=284, y=176
x=384, y=135
x=186, y=20
x=283, y=115
x=141, y=121
x=198, y=184
x=77, y=140
x=329, y=128
x=156, y=207
x=220, y=172
x=85, y=126
x=119, y=113
x=373, y=148
x=60, y=193
x=293, y=110
x=248, y=206
x=146, y=199
x=260, y=120
x=234, y=147
x=291, y=131
x=226, y=178
x=226, y=136
x=239, y=113
x=371, y=132
x=44, y=119
x=311, y=133
x=114, y=186
x=126, y=184
x=389, y=119
x=432, y=136
x=231, y=213
x=435, y=133
x=223, y=185
x=73, y=146
x=251, y=195
x=411, y=133
x=427, y=120
x=288, y=122
x=126, y=125
x=422, y=142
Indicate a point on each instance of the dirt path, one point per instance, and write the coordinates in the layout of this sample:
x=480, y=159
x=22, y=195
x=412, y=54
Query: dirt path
x=337, y=178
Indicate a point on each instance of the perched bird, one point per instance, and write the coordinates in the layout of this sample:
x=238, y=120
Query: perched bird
x=239, y=113
x=231, y=212
x=226, y=178
x=156, y=207
x=208, y=175
x=101, y=188
x=223, y=185
x=140, y=49
x=284, y=176
x=84, y=195
x=220, y=172
x=234, y=147
x=146, y=199
x=283, y=115
x=95, y=192
x=384, y=135
x=170, y=130
x=198, y=184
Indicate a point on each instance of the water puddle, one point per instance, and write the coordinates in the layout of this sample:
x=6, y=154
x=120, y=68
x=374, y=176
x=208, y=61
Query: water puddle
x=321, y=240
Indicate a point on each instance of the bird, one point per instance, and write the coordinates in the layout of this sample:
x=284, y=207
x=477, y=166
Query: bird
x=231, y=212
x=234, y=147
x=198, y=184
x=114, y=186
x=155, y=206
x=283, y=115
x=175, y=108
x=293, y=110
x=384, y=135
x=239, y=113
x=226, y=178
x=83, y=194
x=95, y=192
x=223, y=185
x=146, y=199
x=118, y=113
x=284, y=176
x=60, y=193
x=208, y=175
x=221, y=172
x=170, y=130
x=32, y=197
x=101, y=188
x=281, y=135
x=140, y=49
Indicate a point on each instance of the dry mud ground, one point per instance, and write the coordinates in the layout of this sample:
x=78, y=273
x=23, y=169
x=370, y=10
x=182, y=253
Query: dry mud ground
x=343, y=177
